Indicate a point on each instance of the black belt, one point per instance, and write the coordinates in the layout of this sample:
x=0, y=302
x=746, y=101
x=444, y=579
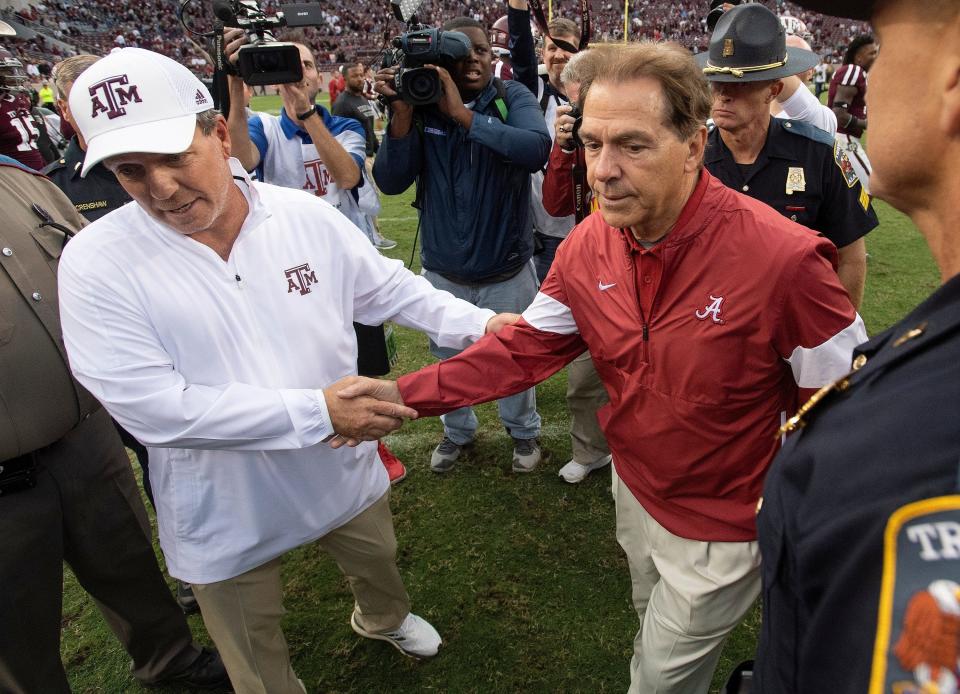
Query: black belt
x=18, y=474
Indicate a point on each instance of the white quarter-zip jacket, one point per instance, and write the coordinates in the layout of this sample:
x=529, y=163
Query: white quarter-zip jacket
x=217, y=366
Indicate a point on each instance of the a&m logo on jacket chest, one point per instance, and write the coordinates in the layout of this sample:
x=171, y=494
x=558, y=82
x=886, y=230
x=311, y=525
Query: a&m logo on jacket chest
x=300, y=278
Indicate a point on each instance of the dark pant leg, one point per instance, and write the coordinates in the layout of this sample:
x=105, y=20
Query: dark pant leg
x=107, y=544
x=31, y=589
x=142, y=457
x=543, y=260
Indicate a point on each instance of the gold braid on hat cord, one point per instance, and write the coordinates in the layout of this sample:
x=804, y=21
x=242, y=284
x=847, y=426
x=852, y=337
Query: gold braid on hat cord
x=740, y=71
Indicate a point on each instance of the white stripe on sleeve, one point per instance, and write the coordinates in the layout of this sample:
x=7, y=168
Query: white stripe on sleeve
x=550, y=316
x=815, y=367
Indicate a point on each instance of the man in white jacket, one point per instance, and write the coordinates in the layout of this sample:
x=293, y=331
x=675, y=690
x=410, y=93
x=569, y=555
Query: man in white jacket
x=211, y=316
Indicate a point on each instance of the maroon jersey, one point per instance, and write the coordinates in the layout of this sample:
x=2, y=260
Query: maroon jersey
x=850, y=75
x=18, y=132
x=502, y=70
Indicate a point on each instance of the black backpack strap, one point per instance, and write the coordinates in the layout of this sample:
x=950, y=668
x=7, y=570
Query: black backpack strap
x=545, y=99
x=500, y=101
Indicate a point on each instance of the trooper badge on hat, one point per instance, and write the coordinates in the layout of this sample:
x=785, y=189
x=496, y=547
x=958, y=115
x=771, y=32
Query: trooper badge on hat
x=749, y=44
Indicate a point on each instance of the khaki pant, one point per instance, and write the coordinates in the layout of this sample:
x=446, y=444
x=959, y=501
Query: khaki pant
x=689, y=595
x=242, y=614
x=586, y=395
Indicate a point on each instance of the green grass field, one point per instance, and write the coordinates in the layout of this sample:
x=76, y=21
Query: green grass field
x=521, y=575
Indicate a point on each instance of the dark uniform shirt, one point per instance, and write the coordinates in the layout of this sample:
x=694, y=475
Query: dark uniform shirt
x=350, y=105
x=94, y=195
x=39, y=400
x=859, y=526
x=802, y=175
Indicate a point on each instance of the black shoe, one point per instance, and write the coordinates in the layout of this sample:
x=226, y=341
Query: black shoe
x=186, y=599
x=206, y=672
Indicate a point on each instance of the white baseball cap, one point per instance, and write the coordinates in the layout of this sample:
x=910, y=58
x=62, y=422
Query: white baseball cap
x=134, y=100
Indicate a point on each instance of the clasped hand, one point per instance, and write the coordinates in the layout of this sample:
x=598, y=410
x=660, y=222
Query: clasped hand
x=366, y=409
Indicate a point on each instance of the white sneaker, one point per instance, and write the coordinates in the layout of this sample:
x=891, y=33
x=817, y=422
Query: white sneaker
x=574, y=472
x=415, y=637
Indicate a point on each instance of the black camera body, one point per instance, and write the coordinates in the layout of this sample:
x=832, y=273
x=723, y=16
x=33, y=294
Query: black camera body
x=418, y=85
x=264, y=60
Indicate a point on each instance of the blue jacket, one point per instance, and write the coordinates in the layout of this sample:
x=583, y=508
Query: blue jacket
x=474, y=187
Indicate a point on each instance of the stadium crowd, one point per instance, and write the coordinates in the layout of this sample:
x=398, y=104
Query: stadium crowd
x=356, y=29
x=677, y=219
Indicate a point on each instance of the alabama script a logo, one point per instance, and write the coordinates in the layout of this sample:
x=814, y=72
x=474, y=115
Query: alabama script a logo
x=111, y=95
x=713, y=310
x=300, y=278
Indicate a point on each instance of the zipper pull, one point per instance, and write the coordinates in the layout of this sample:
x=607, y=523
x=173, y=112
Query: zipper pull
x=646, y=333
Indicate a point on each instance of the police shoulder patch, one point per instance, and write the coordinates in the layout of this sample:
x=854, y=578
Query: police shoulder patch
x=917, y=647
x=843, y=163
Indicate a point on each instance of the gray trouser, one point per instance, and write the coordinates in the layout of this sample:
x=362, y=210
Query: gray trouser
x=517, y=412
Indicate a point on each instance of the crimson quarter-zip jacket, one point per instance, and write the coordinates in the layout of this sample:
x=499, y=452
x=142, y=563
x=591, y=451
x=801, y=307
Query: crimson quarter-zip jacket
x=702, y=343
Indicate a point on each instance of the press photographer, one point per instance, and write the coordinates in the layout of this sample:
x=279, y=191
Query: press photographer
x=263, y=59
x=305, y=146
x=471, y=155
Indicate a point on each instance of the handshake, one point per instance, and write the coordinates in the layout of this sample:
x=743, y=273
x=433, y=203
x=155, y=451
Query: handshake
x=366, y=409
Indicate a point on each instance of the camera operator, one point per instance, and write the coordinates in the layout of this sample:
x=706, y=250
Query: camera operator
x=305, y=146
x=472, y=155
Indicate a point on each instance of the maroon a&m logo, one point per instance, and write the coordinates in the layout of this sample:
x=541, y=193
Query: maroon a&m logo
x=300, y=278
x=111, y=95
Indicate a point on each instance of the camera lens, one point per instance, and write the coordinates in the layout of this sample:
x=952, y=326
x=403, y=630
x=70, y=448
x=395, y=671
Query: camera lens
x=421, y=86
x=266, y=62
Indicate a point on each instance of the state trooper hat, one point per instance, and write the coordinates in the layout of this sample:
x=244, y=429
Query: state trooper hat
x=749, y=45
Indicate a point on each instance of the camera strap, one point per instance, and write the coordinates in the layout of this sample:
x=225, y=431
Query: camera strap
x=541, y=21
x=579, y=175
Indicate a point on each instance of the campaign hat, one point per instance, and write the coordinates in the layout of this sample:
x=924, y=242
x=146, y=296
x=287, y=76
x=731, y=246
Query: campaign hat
x=749, y=44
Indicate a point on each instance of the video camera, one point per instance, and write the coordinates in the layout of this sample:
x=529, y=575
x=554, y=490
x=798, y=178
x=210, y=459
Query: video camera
x=419, y=46
x=265, y=60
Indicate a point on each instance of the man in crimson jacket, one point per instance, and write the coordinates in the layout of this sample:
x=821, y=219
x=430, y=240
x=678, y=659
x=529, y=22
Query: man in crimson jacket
x=705, y=312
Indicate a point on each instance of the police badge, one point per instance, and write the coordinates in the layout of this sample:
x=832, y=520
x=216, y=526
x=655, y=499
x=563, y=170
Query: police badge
x=796, y=182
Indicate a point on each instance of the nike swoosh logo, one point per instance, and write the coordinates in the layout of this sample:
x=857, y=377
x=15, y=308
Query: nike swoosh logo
x=604, y=287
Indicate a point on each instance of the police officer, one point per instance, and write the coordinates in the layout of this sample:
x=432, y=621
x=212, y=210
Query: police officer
x=791, y=166
x=99, y=192
x=67, y=492
x=860, y=520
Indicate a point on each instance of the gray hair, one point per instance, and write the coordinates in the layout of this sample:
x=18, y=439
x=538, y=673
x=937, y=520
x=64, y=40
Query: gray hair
x=574, y=70
x=207, y=120
x=66, y=72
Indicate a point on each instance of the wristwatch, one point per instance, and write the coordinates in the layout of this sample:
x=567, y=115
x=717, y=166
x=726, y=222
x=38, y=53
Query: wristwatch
x=306, y=114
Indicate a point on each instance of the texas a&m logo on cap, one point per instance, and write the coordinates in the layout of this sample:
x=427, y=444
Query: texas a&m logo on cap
x=111, y=95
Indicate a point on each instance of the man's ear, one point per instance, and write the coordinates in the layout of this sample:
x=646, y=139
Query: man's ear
x=697, y=144
x=775, y=88
x=950, y=105
x=222, y=132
